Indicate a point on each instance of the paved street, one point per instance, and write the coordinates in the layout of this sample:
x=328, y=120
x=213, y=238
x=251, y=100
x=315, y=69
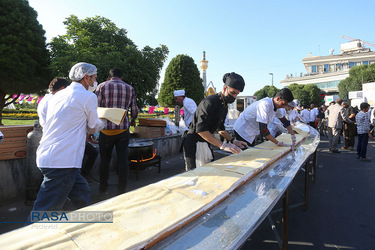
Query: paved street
x=340, y=213
x=341, y=206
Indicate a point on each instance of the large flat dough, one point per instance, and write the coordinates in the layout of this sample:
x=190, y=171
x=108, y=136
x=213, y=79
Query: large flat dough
x=146, y=215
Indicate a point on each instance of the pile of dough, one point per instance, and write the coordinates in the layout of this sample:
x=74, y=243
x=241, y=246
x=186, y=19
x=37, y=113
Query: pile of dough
x=115, y=115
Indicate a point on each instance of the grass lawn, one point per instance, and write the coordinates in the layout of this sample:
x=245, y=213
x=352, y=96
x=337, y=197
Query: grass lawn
x=8, y=122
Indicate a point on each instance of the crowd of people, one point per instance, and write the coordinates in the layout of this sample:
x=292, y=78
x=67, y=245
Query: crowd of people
x=69, y=118
x=269, y=117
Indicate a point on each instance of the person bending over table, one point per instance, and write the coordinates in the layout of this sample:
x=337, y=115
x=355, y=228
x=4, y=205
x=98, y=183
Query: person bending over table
x=255, y=118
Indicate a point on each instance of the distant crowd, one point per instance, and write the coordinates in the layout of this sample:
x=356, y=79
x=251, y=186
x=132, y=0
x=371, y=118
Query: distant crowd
x=339, y=118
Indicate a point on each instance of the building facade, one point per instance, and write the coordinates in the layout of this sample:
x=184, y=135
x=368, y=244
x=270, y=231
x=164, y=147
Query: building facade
x=327, y=71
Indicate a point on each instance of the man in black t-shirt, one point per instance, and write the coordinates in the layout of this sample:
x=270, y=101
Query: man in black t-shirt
x=349, y=128
x=209, y=117
x=321, y=117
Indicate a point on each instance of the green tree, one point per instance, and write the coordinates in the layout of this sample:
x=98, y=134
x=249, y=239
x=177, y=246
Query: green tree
x=357, y=76
x=98, y=41
x=181, y=73
x=306, y=93
x=24, y=58
x=266, y=91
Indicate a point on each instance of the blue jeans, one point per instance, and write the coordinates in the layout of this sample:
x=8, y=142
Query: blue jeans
x=362, y=145
x=106, y=144
x=59, y=184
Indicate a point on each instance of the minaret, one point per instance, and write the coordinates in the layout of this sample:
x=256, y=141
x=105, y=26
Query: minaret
x=204, y=66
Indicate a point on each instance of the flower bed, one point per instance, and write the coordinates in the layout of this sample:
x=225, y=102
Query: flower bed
x=19, y=114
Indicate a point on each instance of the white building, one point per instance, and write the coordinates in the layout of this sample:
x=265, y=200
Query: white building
x=327, y=71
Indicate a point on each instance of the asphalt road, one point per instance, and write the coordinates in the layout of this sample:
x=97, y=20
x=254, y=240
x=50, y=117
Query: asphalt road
x=341, y=212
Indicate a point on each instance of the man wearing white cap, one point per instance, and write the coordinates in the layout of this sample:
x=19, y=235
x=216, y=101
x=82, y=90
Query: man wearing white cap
x=255, y=118
x=293, y=116
x=70, y=115
x=189, y=106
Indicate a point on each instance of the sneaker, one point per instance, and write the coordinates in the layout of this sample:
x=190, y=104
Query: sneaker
x=365, y=159
x=335, y=151
x=343, y=148
x=351, y=148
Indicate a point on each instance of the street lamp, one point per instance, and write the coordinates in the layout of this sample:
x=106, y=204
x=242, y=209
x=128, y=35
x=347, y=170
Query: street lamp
x=272, y=78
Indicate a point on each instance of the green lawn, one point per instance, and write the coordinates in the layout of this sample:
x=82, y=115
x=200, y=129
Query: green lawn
x=7, y=122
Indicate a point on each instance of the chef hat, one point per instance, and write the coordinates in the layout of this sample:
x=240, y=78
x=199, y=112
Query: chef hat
x=298, y=103
x=79, y=70
x=292, y=104
x=180, y=92
x=234, y=80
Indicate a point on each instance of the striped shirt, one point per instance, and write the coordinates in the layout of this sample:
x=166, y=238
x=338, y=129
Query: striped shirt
x=117, y=94
x=363, y=124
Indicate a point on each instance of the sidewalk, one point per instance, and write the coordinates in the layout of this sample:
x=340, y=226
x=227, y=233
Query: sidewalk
x=340, y=213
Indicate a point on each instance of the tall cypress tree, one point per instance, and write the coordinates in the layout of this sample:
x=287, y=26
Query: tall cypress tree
x=181, y=73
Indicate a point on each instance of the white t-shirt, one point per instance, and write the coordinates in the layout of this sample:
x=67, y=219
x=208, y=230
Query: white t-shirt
x=293, y=116
x=42, y=109
x=313, y=113
x=305, y=115
x=189, y=108
x=69, y=113
x=247, y=125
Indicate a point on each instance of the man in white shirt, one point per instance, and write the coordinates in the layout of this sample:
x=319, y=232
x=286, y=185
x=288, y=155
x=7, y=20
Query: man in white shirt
x=305, y=113
x=70, y=115
x=189, y=106
x=313, y=115
x=57, y=84
x=293, y=116
x=255, y=118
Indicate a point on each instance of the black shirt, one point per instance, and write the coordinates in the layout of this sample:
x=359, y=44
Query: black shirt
x=210, y=115
x=350, y=110
x=321, y=113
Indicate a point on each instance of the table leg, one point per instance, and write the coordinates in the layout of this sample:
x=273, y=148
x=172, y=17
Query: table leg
x=315, y=162
x=307, y=175
x=285, y=220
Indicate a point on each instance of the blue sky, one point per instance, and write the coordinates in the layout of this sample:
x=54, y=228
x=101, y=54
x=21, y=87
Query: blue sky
x=252, y=38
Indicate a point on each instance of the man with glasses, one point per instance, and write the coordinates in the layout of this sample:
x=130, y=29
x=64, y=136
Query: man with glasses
x=255, y=118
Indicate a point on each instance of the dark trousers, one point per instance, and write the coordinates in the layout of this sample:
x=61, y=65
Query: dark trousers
x=190, y=149
x=239, y=138
x=91, y=153
x=362, y=145
x=349, y=134
x=106, y=144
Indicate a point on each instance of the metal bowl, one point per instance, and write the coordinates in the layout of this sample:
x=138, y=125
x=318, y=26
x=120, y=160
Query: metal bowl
x=141, y=150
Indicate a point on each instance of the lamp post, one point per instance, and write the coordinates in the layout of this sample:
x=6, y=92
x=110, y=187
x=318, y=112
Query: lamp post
x=272, y=78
